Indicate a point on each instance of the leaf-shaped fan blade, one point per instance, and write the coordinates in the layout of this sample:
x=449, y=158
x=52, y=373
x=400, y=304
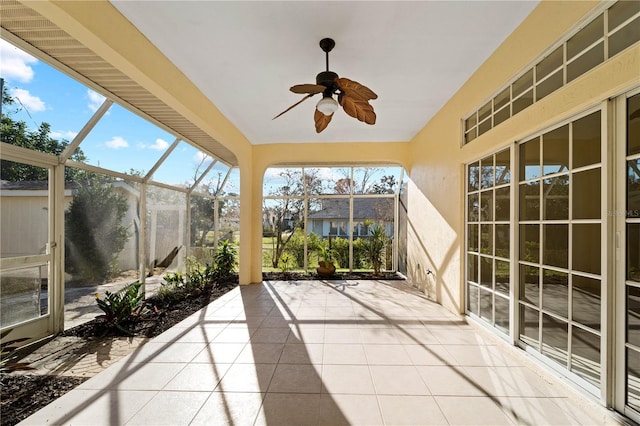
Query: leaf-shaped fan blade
x=359, y=109
x=312, y=89
x=355, y=90
x=322, y=121
x=294, y=105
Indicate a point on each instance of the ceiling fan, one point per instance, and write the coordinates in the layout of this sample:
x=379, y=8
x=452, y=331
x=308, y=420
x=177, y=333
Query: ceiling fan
x=353, y=96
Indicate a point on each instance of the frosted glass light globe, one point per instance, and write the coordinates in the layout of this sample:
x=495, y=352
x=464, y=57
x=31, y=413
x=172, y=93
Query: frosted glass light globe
x=327, y=105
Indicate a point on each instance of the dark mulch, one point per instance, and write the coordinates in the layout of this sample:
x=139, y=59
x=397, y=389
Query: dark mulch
x=24, y=394
x=338, y=276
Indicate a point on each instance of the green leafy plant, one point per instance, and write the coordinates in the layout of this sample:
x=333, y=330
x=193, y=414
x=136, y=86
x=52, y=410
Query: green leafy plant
x=8, y=355
x=122, y=307
x=375, y=246
x=225, y=260
x=284, y=263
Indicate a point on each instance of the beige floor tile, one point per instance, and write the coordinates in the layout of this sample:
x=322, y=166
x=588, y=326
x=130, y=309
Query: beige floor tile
x=397, y=380
x=450, y=381
x=415, y=336
x=134, y=376
x=232, y=335
x=306, y=334
x=549, y=411
x=508, y=381
x=194, y=334
x=229, y=408
x=457, y=335
x=247, y=378
x=296, y=378
x=92, y=408
x=410, y=410
x=167, y=352
x=480, y=355
x=347, y=379
x=336, y=410
x=260, y=353
x=298, y=353
x=379, y=336
x=386, y=355
x=428, y=354
x=270, y=335
x=198, y=377
x=341, y=353
x=472, y=411
x=342, y=335
x=170, y=408
x=289, y=409
x=219, y=352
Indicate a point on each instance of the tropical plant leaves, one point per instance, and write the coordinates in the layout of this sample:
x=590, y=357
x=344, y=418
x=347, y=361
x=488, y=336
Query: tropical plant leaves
x=358, y=109
x=322, y=121
x=355, y=90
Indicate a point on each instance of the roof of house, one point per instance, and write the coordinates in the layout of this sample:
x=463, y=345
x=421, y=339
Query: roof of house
x=363, y=208
x=31, y=185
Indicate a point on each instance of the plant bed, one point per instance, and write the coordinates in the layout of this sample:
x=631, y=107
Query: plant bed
x=23, y=394
x=337, y=276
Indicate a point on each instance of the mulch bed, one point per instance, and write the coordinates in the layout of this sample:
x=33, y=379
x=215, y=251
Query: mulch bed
x=24, y=394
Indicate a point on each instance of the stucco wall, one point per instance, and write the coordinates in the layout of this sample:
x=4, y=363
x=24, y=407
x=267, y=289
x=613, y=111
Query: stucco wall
x=436, y=198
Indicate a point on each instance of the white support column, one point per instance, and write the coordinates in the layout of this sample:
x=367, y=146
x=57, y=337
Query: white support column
x=57, y=243
x=142, y=244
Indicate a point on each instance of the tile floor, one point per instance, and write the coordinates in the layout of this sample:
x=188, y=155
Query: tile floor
x=321, y=353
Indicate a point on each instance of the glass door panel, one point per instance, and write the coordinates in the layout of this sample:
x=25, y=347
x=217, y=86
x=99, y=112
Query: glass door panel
x=560, y=246
x=631, y=273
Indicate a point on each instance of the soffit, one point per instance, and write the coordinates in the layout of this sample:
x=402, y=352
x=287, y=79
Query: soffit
x=44, y=36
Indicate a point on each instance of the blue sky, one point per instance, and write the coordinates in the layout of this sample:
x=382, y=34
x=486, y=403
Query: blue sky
x=120, y=141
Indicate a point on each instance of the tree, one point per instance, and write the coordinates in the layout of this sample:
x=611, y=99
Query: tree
x=387, y=185
x=285, y=214
x=94, y=231
x=16, y=133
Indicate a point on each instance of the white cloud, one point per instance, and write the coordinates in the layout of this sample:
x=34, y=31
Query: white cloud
x=65, y=134
x=201, y=157
x=30, y=102
x=117, y=142
x=15, y=63
x=159, y=145
x=95, y=100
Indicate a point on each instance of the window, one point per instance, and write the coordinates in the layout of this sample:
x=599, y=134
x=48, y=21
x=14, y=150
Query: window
x=488, y=281
x=587, y=48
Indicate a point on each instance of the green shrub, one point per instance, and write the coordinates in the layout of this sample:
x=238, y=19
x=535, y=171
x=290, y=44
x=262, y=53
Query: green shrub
x=340, y=247
x=360, y=254
x=122, y=307
x=225, y=261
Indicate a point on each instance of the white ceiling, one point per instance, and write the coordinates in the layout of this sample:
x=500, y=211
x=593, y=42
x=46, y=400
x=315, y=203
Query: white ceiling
x=244, y=56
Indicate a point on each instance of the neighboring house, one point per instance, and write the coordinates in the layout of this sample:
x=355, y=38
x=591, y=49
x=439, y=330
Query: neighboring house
x=332, y=219
x=24, y=219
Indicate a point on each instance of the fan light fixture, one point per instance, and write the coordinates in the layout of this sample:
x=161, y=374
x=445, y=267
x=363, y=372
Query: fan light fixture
x=327, y=105
x=352, y=96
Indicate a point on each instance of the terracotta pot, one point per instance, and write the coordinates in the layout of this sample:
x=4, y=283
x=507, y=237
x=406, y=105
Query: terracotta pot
x=325, y=269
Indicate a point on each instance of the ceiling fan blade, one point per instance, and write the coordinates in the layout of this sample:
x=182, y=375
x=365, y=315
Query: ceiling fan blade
x=294, y=105
x=311, y=89
x=355, y=90
x=322, y=121
x=358, y=109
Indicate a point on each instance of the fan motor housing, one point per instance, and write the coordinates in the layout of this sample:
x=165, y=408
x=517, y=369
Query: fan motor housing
x=326, y=78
